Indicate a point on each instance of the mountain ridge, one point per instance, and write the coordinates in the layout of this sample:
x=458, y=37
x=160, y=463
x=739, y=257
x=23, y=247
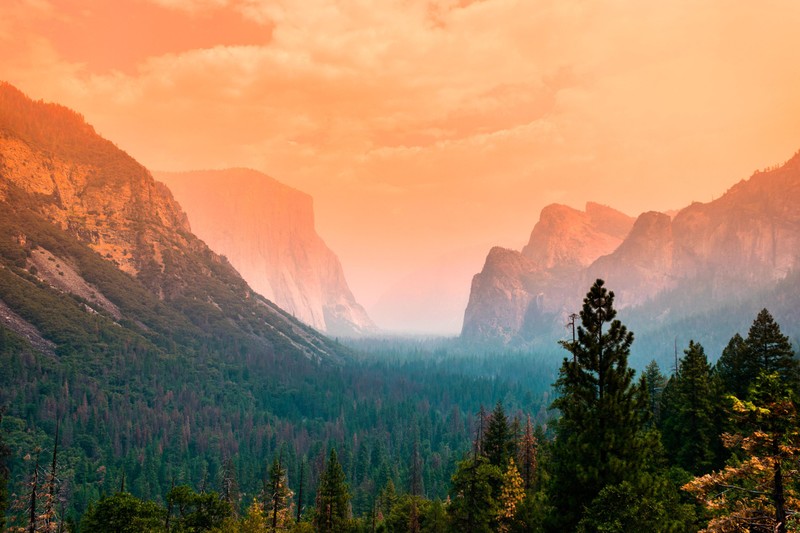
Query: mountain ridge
x=734, y=249
x=266, y=230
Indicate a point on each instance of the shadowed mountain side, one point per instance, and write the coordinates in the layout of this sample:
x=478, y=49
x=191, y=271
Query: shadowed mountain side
x=266, y=230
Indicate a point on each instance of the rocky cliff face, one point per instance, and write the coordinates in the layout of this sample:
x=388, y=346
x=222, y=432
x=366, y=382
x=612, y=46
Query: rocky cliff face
x=708, y=255
x=266, y=230
x=64, y=188
x=518, y=292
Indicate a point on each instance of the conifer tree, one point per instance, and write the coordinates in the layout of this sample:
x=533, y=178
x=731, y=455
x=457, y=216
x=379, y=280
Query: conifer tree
x=598, y=437
x=770, y=349
x=278, y=497
x=498, y=443
x=735, y=370
x=655, y=382
x=527, y=456
x=689, y=432
x=473, y=499
x=333, y=499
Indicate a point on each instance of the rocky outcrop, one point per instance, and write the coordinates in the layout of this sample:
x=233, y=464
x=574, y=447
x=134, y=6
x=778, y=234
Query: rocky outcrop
x=266, y=230
x=67, y=189
x=708, y=255
x=517, y=293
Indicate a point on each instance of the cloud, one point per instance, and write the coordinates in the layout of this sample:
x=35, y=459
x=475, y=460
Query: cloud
x=480, y=112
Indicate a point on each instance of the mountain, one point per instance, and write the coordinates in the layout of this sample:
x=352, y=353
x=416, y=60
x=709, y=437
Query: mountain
x=518, y=291
x=710, y=263
x=266, y=230
x=81, y=217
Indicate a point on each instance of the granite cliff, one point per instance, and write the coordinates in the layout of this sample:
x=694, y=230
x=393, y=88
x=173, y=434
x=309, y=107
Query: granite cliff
x=266, y=230
x=724, y=256
x=82, y=217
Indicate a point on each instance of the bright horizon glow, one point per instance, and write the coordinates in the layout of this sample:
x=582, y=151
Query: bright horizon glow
x=425, y=127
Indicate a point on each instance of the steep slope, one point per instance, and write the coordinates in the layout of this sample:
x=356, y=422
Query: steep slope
x=515, y=293
x=266, y=230
x=64, y=190
x=725, y=257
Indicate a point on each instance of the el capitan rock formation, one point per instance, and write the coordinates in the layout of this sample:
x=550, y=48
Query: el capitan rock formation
x=266, y=230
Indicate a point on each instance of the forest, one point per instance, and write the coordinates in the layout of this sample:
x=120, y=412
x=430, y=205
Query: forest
x=426, y=441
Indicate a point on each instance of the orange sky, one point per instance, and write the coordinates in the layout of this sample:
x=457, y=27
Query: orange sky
x=424, y=127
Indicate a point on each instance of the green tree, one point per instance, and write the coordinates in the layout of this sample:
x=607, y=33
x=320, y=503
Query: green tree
x=735, y=369
x=333, y=499
x=197, y=512
x=654, y=382
x=498, y=441
x=278, y=496
x=526, y=455
x=123, y=513
x=689, y=431
x=599, y=434
x=770, y=349
x=473, y=504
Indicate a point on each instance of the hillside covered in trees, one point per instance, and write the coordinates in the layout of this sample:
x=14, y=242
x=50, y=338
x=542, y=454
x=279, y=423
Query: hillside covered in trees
x=711, y=447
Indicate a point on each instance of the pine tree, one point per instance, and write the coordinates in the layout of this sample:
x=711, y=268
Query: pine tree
x=278, y=497
x=333, y=499
x=655, y=382
x=498, y=443
x=734, y=369
x=598, y=437
x=689, y=432
x=415, y=471
x=473, y=502
x=770, y=349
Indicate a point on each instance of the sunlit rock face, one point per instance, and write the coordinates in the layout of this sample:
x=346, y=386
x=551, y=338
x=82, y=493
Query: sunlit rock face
x=707, y=255
x=266, y=230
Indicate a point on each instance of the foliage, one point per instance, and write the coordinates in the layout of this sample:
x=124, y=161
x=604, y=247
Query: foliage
x=688, y=428
x=760, y=492
x=123, y=513
x=599, y=435
x=333, y=499
x=474, y=505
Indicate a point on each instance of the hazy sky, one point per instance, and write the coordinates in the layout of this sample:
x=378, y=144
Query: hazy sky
x=422, y=127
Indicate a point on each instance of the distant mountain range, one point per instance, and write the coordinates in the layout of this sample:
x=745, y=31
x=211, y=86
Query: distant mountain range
x=266, y=230
x=703, y=272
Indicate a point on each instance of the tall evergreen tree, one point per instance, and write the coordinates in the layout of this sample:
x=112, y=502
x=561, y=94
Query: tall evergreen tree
x=735, y=370
x=333, y=499
x=498, y=442
x=654, y=382
x=689, y=432
x=598, y=437
x=770, y=349
x=279, y=496
x=474, y=495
